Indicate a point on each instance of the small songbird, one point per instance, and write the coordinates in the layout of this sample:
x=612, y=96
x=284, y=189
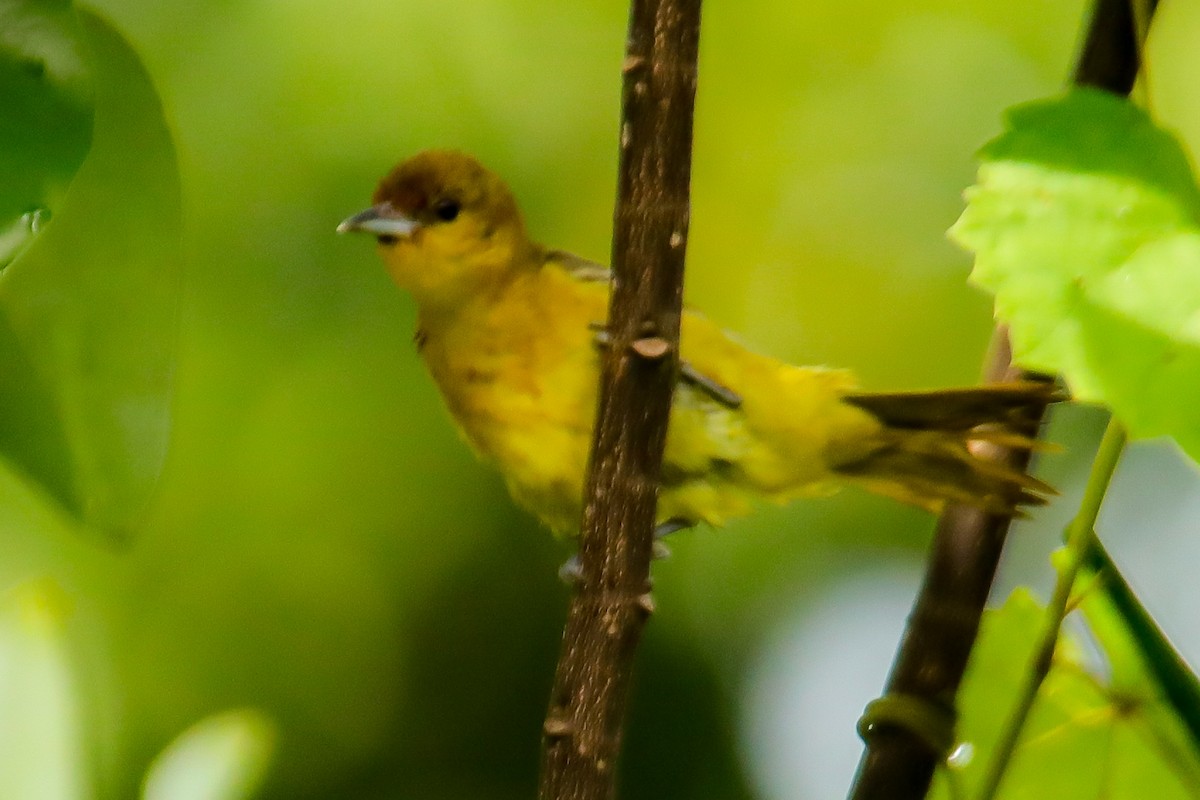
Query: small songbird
x=509, y=332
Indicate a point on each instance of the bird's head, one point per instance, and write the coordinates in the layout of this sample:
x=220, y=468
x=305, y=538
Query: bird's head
x=447, y=227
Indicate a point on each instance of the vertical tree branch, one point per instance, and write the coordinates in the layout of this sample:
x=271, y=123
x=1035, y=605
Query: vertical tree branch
x=612, y=600
x=1111, y=56
x=898, y=764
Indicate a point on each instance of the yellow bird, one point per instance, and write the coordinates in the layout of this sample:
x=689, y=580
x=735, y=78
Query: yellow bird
x=508, y=330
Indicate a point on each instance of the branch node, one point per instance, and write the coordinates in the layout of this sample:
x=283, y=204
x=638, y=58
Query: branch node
x=651, y=348
x=558, y=727
x=645, y=603
x=676, y=239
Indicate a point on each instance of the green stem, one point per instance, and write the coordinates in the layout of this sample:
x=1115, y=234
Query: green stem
x=1079, y=532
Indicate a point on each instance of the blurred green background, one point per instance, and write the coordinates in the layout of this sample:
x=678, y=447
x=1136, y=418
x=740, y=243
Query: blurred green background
x=322, y=549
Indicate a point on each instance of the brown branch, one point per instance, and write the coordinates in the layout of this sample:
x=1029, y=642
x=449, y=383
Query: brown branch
x=612, y=599
x=898, y=764
x=1111, y=55
x=942, y=626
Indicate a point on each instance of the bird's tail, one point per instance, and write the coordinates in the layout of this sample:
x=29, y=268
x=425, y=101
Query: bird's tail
x=926, y=454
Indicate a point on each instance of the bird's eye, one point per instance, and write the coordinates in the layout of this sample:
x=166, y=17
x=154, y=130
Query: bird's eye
x=447, y=210
x=386, y=240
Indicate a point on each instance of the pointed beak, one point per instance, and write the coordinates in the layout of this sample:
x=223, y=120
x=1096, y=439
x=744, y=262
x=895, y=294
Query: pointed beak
x=380, y=220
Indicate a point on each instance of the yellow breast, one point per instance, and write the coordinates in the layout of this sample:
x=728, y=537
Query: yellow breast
x=519, y=374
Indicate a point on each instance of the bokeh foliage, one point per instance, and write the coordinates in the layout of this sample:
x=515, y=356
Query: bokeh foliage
x=91, y=303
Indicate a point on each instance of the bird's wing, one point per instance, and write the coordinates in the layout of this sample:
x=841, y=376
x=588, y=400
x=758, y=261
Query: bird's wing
x=692, y=379
x=580, y=268
x=717, y=457
x=588, y=271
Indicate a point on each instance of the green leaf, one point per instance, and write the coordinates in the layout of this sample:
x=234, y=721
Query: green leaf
x=46, y=127
x=88, y=313
x=222, y=757
x=1085, y=224
x=1089, y=734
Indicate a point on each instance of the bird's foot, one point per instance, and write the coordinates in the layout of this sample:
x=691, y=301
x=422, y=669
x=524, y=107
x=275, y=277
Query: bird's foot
x=571, y=572
x=601, y=338
x=665, y=529
x=672, y=525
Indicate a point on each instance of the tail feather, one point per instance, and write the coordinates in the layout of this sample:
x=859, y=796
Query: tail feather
x=959, y=409
x=923, y=455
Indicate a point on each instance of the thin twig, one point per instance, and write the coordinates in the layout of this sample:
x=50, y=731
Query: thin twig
x=1079, y=532
x=898, y=764
x=640, y=365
